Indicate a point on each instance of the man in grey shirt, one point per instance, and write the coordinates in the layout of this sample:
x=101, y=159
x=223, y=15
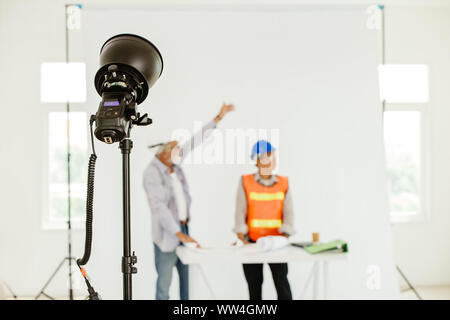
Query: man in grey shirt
x=167, y=192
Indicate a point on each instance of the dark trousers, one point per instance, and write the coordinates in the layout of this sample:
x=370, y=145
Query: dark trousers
x=254, y=275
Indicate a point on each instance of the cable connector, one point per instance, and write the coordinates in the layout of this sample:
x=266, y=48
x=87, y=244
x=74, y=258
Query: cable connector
x=93, y=295
x=92, y=119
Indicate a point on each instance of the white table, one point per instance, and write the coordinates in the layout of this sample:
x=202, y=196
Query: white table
x=251, y=254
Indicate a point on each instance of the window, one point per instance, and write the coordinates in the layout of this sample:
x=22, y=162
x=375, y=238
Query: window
x=403, y=83
x=62, y=82
x=405, y=90
x=57, y=169
x=402, y=132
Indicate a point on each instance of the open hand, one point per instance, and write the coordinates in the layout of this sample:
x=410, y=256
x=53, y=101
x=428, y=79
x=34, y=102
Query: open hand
x=226, y=107
x=242, y=237
x=184, y=238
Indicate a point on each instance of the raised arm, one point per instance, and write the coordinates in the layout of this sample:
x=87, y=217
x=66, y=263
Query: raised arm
x=199, y=136
x=226, y=107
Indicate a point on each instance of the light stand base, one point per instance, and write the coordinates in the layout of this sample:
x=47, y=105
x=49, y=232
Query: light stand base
x=70, y=260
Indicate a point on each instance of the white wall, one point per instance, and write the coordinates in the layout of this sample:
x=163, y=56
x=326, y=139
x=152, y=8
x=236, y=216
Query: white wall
x=31, y=32
x=421, y=35
x=354, y=182
x=276, y=71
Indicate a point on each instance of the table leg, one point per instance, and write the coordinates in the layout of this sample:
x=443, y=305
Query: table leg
x=205, y=280
x=316, y=280
x=308, y=281
x=326, y=275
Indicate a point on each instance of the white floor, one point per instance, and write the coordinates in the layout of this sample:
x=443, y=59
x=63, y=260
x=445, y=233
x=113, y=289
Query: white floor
x=428, y=293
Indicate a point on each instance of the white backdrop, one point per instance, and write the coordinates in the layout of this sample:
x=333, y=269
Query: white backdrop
x=309, y=73
x=29, y=254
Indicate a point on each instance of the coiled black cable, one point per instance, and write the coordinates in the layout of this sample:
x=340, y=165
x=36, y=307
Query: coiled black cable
x=89, y=211
x=93, y=295
x=89, y=203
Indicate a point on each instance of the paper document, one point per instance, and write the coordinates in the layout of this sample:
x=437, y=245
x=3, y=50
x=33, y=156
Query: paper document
x=270, y=243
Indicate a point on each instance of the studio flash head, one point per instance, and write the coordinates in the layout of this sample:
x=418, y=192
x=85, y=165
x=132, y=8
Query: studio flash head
x=129, y=67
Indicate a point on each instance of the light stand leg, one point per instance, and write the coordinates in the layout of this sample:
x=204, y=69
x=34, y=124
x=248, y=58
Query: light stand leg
x=128, y=260
x=10, y=290
x=42, y=292
x=411, y=287
x=316, y=280
x=326, y=279
x=50, y=280
x=308, y=280
x=205, y=280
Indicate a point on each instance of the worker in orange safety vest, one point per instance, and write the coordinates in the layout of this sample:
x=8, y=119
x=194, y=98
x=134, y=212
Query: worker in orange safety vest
x=264, y=208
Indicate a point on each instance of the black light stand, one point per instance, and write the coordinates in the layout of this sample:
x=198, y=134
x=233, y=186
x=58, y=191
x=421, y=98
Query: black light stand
x=129, y=66
x=128, y=259
x=69, y=257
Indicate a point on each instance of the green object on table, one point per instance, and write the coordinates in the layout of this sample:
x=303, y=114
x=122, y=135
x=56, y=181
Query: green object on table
x=334, y=246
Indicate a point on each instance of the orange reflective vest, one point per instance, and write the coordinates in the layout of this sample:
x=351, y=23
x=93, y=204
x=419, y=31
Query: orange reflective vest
x=264, y=206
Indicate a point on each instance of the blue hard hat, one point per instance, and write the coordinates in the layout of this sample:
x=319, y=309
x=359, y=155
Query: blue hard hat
x=261, y=147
